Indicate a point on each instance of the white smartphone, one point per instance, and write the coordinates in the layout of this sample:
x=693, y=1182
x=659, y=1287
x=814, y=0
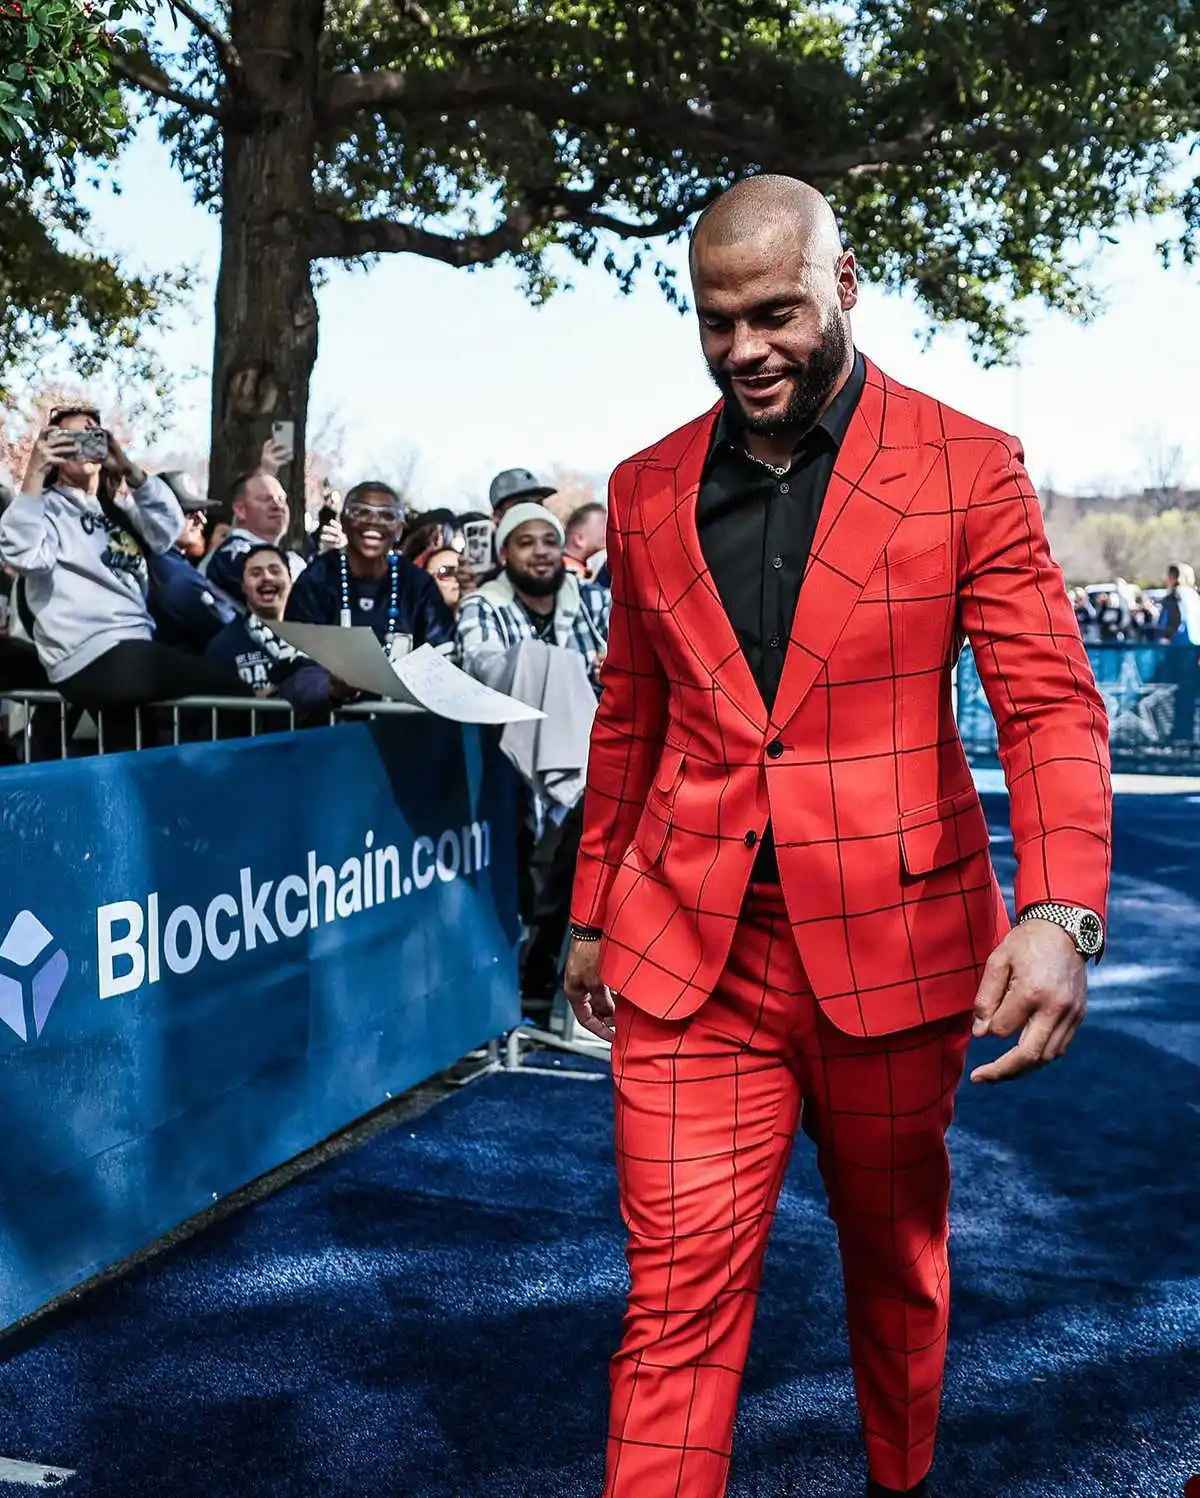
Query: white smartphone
x=284, y=433
x=478, y=553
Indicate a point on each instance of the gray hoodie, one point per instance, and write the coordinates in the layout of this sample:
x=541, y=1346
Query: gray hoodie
x=85, y=580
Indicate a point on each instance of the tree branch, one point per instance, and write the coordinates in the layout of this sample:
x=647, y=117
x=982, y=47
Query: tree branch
x=139, y=71
x=466, y=41
x=226, y=51
x=677, y=125
x=336, y=238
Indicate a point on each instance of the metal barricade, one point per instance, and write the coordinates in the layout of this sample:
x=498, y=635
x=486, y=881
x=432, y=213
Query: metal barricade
x=30, y=702
x=256, y=709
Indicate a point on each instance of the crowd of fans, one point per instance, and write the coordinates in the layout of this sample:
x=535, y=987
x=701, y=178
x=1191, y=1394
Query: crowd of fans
x=1118, y=613
x=121, y=589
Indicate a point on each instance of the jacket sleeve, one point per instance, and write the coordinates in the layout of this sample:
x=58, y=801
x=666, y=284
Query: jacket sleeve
x=435, y=622
x=480, y=646
x=156, y=514
x=28, y=537
x=628, y=734
x=225, y=569
x=1052, y=722
x=304, y=605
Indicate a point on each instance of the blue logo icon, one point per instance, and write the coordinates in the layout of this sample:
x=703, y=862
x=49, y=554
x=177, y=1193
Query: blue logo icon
x=28, y=994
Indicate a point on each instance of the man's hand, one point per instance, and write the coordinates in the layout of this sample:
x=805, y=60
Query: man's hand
x=273, y=457
x=330, y=537
x=590, y=999
x=1035, y=981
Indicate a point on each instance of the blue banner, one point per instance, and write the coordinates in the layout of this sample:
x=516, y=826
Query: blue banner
x=1151, y=692
x=213, y=957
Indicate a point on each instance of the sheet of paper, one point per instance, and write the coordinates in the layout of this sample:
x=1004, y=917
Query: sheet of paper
x=438, y=684
x=354, y=655
x=423, y=678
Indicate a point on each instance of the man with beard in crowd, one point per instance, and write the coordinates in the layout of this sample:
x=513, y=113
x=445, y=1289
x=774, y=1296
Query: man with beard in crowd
x=784, y=896
x=534, y=597
x=368, y=583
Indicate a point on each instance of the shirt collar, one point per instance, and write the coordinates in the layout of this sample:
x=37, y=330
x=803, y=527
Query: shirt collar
x=832, y=426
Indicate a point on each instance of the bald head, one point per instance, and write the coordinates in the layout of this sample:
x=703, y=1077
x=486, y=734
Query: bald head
x=773, y=291
x=781, y=207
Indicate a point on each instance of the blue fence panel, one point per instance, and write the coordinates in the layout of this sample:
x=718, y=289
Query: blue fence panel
x=213, y=957
x=1151, y=692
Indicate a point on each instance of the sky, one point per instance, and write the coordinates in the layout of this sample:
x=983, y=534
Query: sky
x=458, y=369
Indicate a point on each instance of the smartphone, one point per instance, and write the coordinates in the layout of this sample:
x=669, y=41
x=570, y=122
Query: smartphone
x=326, y=515
x=91, y=445
x=477, y=545
x=284, y=433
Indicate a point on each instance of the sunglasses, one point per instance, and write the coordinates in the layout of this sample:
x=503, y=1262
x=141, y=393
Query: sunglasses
x=449, y=569
x=60, y=413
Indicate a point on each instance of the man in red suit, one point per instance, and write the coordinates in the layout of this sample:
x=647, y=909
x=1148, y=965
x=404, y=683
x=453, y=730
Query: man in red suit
x=785, y=913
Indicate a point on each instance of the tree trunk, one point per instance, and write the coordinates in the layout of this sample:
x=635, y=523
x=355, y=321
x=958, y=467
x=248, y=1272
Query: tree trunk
x=266, y=343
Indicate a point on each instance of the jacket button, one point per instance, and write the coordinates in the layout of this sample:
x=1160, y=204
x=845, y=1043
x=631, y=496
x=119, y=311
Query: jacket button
x=774, y=749
x=750, y=839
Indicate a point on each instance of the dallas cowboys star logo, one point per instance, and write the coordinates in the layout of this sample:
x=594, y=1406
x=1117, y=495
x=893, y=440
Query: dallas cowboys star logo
x=1139, y=709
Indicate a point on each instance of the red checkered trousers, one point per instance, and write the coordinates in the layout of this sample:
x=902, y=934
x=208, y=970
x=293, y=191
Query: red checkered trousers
x=842, y=997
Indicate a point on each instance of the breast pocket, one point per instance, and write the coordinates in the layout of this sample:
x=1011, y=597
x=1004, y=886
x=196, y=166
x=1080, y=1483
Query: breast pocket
x=908, y=576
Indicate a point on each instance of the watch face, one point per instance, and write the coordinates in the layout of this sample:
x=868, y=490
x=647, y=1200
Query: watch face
x=1091, y=933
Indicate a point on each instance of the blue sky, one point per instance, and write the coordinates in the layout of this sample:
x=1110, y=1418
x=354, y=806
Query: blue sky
x=457, y=368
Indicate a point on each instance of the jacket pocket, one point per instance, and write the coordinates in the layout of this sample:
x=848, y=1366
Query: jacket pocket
x=658, y=814
x=896, y=576
x=943, y=833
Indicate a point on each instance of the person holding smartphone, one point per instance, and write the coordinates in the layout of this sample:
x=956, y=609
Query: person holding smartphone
x=81, y=554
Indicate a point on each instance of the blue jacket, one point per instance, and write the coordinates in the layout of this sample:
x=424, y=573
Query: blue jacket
x=317, y=599
x=188, y=609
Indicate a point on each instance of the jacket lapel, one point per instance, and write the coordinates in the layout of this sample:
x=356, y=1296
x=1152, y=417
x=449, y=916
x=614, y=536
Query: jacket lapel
x=666, y=492
x=879, y=471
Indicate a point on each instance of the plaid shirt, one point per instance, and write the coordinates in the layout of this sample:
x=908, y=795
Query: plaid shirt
x=493, y=620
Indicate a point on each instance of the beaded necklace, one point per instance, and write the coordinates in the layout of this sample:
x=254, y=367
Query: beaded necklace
x=346, y=619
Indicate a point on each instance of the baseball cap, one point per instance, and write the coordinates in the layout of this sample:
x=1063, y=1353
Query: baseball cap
x=517, y=483
x=520, y=514
x=186, y=490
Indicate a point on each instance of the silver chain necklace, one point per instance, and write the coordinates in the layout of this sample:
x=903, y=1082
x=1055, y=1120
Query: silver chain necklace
x=762, y=463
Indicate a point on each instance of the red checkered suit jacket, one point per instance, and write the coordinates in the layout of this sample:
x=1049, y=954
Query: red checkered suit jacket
x=930, y=532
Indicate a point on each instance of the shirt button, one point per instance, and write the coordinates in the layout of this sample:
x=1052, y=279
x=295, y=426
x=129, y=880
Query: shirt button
x=777, y=563
x=775, y=642
x=785, y=488
x=750, y=839
x=774, y=749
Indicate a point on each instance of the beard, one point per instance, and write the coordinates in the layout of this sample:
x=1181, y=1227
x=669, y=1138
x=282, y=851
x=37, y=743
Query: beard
x=813, y=382
x=536, y=587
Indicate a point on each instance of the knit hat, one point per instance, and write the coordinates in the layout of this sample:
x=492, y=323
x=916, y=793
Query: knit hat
x=520, y=514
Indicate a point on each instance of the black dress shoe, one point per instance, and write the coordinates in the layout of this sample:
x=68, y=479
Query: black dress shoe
x=874, y=1490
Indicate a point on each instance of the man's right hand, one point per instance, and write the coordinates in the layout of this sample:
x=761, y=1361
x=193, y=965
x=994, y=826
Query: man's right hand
x=273, y=457
x=590, y=999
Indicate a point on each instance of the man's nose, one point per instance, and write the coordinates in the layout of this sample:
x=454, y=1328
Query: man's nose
x=748, y=346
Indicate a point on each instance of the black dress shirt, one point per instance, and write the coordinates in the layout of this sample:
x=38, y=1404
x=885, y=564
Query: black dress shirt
x=756, y=533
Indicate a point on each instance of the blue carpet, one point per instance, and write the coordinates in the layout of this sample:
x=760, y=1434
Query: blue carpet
x=429, y=1316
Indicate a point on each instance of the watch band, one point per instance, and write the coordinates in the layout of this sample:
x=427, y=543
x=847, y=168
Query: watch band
x=1083, y=926
x=584, y=933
